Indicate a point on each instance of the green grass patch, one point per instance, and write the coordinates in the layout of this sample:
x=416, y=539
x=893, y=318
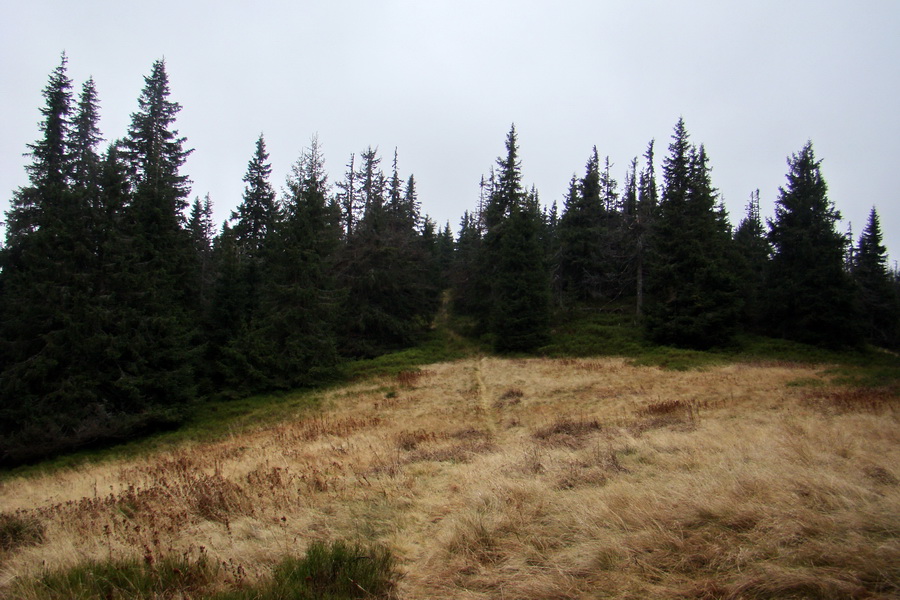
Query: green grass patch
x=328, y=571
x=178, y=577
x=614, y=331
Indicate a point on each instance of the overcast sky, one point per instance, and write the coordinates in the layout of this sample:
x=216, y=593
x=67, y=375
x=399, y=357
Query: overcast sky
x=443, y=80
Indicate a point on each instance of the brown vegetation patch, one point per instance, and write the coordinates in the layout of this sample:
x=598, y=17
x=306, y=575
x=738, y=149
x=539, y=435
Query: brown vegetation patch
x=666, y=413
x=217, y=499
x=510, y=397
x=567, y=432
x=410, y=379
x=410, y=440
x=874, y=400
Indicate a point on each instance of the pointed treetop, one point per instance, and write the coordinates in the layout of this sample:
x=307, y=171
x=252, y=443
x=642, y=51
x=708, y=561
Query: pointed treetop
x=51, y=161
x=155, y=150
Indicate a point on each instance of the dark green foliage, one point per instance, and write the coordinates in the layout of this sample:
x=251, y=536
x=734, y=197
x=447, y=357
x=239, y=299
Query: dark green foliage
x=521, y=291
x=388, y=271
x=202, y=233
x=586, y=230
x=50, y=310
x=241, y=254
x=877, y=296
x=443, y=252
x=641, y=224
x=94, y=328
x=256, y=215
x=158, y=354
x=291, y=341
x=753, y=252
x=694, y=299
x=512, y=260
x=810, y=295
x=470, y=293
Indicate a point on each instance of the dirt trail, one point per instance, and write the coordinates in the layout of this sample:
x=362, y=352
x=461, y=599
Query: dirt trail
x=484, y=401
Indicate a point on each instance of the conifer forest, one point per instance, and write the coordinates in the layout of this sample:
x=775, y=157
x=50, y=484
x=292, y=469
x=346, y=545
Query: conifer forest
x=122, y=303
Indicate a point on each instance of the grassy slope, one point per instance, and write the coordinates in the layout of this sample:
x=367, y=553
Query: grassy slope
x=553, y=477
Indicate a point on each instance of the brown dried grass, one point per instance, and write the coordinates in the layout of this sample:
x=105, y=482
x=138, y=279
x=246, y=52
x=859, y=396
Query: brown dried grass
x=536, y=478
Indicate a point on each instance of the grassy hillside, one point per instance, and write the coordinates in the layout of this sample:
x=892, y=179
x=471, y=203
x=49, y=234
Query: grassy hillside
x=497, y=478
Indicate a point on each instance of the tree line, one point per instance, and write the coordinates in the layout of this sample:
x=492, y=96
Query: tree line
x=667, y=251
x=122, y=302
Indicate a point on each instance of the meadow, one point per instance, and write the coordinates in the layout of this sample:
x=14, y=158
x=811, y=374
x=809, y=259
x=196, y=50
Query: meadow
x=488, y=477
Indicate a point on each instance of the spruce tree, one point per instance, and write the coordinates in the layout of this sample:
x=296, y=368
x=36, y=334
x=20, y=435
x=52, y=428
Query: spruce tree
x=514, y=260
x=291, y=341
x=810, y=295
x=753, y=252
x=581, y=235
x=468, y=293
x=158, y=366
x=255, y=216
x=645, y=213
x=694, y=292
x=241, y=256
x=877, y=296
x=348, y=198
x=387, y=269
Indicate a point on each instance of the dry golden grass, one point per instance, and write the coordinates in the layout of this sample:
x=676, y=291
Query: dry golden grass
x=534, y=478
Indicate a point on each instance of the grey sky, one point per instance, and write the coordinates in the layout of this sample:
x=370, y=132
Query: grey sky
x=443, y=80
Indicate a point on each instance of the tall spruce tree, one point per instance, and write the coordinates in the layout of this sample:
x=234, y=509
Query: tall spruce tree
x=158, y=362
x=256, y=214
x=292, y=340
x=645, y=214
x=877, y=295
x=693, y=288
x=241, y=258
x=581, y=235
x=753, y=252
x=513, y=259
x=41, y=291
x=810, y=294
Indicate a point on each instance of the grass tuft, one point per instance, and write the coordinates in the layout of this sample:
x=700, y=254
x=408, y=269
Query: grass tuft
x=18, y=529
x=143, y=579
x=329, y=571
